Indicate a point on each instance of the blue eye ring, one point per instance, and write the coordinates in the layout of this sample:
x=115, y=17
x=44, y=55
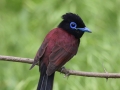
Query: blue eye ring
x=73, y=25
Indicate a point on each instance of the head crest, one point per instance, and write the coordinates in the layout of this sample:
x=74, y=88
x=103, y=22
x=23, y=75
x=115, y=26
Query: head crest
x=71, y=17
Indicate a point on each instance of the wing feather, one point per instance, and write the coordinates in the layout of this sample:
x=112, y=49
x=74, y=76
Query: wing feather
x=59, y=57
x=40, y=53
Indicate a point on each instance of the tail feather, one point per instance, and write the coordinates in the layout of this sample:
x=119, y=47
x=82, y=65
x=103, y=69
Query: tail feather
x=45, y=81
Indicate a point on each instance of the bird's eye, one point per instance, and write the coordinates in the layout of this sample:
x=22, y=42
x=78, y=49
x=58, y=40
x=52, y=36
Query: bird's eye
x=73, y=25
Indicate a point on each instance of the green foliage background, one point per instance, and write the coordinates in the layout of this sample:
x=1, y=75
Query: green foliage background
x=24, y=24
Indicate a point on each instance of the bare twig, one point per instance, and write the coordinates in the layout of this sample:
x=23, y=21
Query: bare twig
x=70, y=72
x=16, y=59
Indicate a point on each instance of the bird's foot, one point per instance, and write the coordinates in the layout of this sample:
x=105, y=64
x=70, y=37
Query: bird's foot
x=65, y=71
x=62, y=69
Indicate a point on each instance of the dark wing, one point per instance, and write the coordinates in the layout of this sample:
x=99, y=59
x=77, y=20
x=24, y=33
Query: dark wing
x=40, y=53
x=59, y=56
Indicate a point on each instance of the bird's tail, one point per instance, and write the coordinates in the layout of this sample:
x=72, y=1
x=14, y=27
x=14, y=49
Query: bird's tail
x=45, y=81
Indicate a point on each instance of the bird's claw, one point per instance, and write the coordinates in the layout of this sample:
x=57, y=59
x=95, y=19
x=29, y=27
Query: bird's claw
x=66, y=75
x=63, y=70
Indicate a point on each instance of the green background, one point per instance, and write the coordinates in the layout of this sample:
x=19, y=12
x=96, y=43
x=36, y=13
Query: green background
x=24, y=24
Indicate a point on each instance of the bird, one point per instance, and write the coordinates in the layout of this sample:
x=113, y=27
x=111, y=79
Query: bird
x=58, y=47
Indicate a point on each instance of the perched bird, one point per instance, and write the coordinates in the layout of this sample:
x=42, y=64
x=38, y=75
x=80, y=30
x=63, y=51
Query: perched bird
x=58, y=47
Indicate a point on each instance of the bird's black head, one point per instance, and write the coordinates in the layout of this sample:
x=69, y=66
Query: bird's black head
x=73, y=24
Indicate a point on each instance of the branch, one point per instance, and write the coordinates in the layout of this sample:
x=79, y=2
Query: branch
x=65, y=71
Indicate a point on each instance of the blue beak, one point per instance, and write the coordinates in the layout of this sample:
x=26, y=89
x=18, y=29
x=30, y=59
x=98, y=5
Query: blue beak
x=85, y=29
